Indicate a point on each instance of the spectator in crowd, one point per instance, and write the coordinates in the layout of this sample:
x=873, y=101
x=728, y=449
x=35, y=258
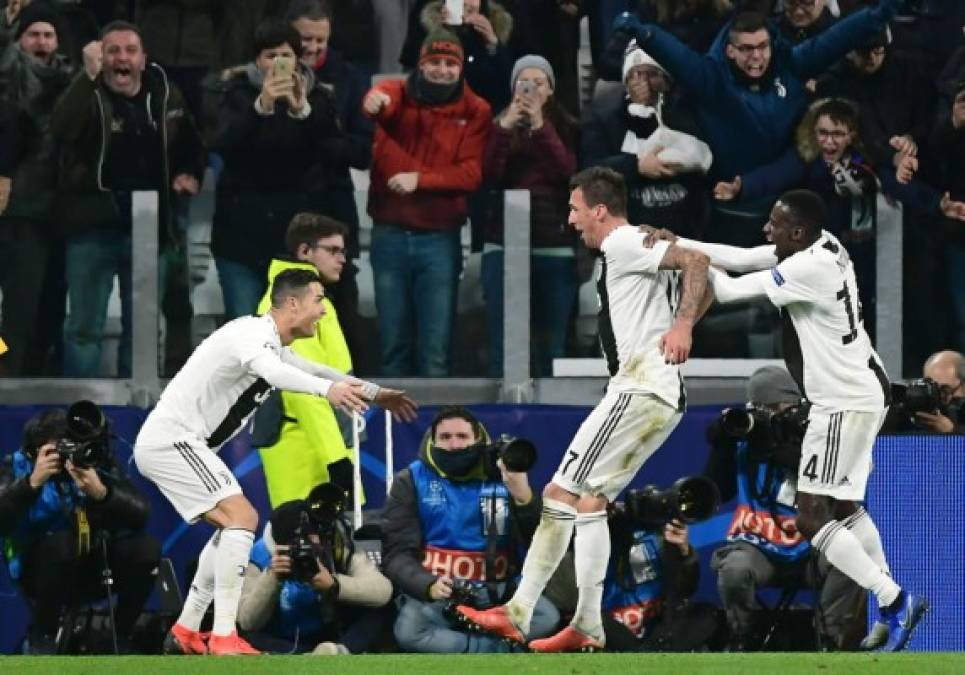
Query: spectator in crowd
x=533, y=147
x=651, y=577
x=418, y=194
x=893, y=125
x=750, y=92
x=32, y=75
x=451, y=529
x=648, y=134
x=276, y=130
x=484, y=31
x=695, y=24
x=112, y=144
x=77, y=25
x=831, y=159
x=947, y=143
x=328, y=601
x=298, y=434
x=56, y=516
x=804, y=19
x=764, y=547
x=354, y=150
x=190, y=38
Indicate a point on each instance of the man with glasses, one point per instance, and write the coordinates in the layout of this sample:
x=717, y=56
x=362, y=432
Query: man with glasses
x=750, y=88
x=298, y=435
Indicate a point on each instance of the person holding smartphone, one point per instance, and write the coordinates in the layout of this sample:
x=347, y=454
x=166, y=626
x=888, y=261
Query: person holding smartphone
x=532, y=147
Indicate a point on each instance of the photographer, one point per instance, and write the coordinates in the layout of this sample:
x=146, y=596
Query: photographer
x=454, y=521
x=306, y=588
x=934, y=404
x=758, y=465
x=63, y=499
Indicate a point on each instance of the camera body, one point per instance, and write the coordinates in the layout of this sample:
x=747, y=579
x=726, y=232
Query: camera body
x=463, y=593
x=690, y=499
x=518, y=455
x=323, y=511
x=86, y=442
x=766, y=430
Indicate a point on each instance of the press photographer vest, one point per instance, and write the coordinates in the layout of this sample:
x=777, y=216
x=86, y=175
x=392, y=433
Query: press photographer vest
x=633, y=594
x=52, y=511
x=754, y=518
x=455, y=518
x=298, y=609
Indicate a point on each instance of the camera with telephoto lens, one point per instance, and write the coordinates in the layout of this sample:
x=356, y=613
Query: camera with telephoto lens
x=766, y=430
x=518, y=455
x=324, y=507
x=86, y=442
x=925, y=395
x=690, y=500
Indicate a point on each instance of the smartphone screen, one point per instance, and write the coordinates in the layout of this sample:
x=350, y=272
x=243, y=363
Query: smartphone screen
x=282, y=67
x=454, y=10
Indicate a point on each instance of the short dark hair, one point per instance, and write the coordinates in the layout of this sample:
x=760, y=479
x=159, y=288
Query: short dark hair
x=313, y=10
x=746, y=22
x=841, y=111
x=118, y=26
x=273, y=32
x=308, y=228
x=602, y=185
x=291, y=283
x=450, y=412
x=49, y=425
x=807, y=208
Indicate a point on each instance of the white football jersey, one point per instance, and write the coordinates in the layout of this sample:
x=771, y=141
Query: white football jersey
x=215, y=392
x=825, y=344
x=638, y=302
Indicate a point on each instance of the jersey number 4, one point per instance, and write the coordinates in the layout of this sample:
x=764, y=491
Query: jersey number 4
x=811, y=468
x=845, y=294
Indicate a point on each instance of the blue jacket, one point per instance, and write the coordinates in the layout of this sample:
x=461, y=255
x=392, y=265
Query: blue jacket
x=747, y=128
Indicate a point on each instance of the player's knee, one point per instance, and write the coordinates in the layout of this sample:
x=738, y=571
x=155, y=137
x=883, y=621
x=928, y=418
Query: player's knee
x=809, y=524
x=236, y=512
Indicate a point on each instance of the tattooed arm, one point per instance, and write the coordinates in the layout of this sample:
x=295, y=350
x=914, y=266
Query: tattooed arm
x=677, y=342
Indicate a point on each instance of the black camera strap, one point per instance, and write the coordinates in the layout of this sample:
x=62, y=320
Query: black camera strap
x=492, y=550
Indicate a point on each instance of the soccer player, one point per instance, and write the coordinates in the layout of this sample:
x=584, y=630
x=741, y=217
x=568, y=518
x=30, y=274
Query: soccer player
x=206, y=404
x=807, y=273
x=647, y=313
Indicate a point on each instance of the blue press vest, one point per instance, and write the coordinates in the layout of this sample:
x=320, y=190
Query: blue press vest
x=753, y=520
x=640, y=596
x=52, y=511
x=298, y=611
x=454, y=516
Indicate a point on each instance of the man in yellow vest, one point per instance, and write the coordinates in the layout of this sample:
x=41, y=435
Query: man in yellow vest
x=310, y=448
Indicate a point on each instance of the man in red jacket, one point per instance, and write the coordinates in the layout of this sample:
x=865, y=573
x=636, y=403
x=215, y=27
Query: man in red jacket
x=427, y=158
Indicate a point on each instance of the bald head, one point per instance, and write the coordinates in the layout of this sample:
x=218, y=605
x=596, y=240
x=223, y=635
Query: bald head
x=947, y=368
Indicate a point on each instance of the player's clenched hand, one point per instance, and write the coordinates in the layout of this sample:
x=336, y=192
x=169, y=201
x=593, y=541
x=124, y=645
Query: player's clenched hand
x=654, y=234
x=347, y=397
x=676, y=343
x=401, y=406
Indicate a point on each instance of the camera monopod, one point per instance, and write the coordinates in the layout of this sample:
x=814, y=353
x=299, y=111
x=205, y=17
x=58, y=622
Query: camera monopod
x=107, y=578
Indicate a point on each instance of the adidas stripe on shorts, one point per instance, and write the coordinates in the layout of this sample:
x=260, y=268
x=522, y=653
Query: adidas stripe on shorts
x=192, y=476
x=620, y=434
x=836, y=453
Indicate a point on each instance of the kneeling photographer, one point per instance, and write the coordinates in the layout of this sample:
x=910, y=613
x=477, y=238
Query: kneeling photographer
x=755, y=455
x=653, y=572
x=455, y=521
x=933, y=404
x=68, y=516
x=307, y=588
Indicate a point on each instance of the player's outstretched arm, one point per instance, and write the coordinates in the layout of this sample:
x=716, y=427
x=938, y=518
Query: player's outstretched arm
x=738, y=289
x=730, y=258
x=677, y=342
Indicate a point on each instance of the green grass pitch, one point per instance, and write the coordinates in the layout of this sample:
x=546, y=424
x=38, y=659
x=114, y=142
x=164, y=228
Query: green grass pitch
x=516, y=664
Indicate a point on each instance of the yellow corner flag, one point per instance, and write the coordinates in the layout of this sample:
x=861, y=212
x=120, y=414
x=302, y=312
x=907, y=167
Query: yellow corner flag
x=3, y=346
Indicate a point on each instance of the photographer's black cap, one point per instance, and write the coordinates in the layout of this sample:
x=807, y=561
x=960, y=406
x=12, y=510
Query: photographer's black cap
x=286, y=519
x=771, y=385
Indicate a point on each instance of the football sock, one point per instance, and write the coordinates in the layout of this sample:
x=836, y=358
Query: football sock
x=844, y=551
x=591, y=549
x=863, y=527
x=549, y=545
x=202, y=587
x=234, y=549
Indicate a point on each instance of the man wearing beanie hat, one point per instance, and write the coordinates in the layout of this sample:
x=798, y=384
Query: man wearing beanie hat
x=32, y=77
x=649, y=134
x=282, y=610
x=426, y=160
x=764, y=547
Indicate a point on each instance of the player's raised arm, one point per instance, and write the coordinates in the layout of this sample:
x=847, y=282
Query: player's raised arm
x=736, y=289
x=677, y=342
x=730, y=258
